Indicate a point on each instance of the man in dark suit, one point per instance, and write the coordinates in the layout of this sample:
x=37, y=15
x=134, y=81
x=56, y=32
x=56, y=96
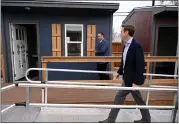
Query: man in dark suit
x=132, y=68
x=102, y=49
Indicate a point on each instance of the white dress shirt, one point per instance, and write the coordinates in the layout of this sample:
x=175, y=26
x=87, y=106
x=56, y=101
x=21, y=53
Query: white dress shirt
x=101, y=40
x=127, y=45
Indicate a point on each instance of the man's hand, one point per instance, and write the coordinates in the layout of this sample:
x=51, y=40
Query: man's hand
x=134, y=85
x=117, y=76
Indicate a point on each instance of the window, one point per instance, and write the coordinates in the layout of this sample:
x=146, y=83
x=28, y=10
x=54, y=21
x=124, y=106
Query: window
x=73, y=40
x=19, y=34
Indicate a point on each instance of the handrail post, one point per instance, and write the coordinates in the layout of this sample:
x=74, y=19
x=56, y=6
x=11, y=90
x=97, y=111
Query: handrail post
x=27, y=96
x=176, y=68
x=148, y=92
x=44, y=90
x=176, y=63
x=44, y=65
x=46, y=79
x=149, y=78
x=43, y=94
x=174, y=111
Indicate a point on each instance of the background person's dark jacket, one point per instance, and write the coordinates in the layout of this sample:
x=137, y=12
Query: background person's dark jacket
x=134, y=65
x=102, y=49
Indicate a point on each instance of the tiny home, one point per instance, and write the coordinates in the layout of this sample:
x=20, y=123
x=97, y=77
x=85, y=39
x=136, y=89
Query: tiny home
x=32, y=29
x=157, y=31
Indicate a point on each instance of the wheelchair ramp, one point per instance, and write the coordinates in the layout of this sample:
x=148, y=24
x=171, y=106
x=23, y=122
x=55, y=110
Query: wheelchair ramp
x=78, y=115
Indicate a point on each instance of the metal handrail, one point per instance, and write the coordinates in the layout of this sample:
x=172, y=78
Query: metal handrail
x=44, y=94
x=7, y=108
x=8, y=87
x=89, y=71
x=102, y=106
x=27, y=85
x=96, y=87
x=84, y=71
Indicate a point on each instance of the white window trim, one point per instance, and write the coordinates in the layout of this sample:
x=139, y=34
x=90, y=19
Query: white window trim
x=66, y=42
x=73, y=41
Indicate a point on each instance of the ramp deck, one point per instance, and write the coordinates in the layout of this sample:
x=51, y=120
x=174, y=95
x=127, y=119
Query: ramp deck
x=78, y=115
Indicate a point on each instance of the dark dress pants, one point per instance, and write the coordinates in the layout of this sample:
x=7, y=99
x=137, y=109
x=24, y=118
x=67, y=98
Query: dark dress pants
x=119, y=99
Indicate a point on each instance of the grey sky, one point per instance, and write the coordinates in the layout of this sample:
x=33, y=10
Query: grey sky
x=127, y=6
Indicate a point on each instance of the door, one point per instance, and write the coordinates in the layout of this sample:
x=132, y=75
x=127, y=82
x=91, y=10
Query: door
x=19, y=51
x=166, y=46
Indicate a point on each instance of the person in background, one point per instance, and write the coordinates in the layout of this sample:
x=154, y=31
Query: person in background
x=102, y=49
x=132, y=68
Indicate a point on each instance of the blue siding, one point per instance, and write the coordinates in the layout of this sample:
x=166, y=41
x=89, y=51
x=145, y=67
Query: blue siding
x=45, y=39
x=72, y=75
x=102, y=24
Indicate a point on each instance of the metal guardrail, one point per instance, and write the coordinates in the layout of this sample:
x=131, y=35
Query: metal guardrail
x=87, y=71
x=103, y=106
x=96, y=87
x=44, y=95
x=7, y=108
x=8, y=87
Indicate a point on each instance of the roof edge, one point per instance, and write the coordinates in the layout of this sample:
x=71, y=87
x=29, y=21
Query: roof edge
x=154, y=9
x=61, y=4
x=128, y=16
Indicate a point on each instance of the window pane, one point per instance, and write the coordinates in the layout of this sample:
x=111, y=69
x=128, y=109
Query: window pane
x=73, y=33
x=17, y=35
x=20, y=34
x=74, y=49
x=23, y=35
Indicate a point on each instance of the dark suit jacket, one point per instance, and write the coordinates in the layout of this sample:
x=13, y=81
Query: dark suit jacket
x=134, y=65
x=102, y=49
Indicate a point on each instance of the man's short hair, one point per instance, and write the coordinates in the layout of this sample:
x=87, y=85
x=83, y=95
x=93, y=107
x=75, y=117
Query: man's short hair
x=101, y=33
x=130, y=29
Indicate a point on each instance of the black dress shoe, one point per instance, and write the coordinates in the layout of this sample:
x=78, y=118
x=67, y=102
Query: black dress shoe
x=142, y=121
x=106, y=121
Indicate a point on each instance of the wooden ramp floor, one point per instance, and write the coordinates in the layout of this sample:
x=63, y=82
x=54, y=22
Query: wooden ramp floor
x=78, y=115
